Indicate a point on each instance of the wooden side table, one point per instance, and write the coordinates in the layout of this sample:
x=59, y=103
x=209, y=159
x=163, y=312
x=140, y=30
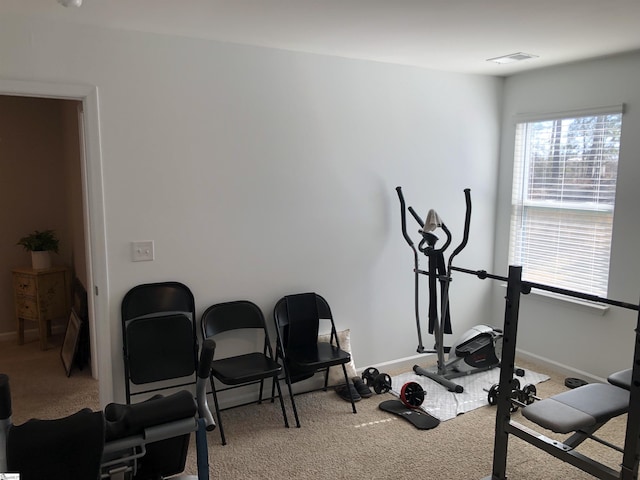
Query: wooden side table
x=41, y=296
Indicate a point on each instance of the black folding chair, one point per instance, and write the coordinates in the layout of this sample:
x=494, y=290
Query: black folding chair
x=159, y=338
x=297, y=319
x=243, y=368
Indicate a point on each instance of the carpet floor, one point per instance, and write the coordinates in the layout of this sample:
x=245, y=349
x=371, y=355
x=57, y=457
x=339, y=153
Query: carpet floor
x=332, y=443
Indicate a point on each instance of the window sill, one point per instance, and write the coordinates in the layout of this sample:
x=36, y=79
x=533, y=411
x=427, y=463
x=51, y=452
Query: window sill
x=593, y=307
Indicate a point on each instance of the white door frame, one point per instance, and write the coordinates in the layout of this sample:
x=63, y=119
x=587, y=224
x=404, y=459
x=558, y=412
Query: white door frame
x=94, y=217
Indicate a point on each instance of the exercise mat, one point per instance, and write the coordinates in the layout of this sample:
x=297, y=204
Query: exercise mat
x=446, y=405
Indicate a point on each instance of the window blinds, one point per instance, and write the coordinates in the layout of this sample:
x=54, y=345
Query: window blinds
x=564, y=185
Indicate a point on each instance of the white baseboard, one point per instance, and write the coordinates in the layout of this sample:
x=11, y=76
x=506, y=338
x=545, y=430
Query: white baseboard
x=249, y=394
x=401, y=364
x=7, y=336
x=560, y=368
x=406, y=364
x=32, y=332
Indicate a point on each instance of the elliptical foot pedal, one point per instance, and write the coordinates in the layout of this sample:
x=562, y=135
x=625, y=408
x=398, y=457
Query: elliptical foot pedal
x=474, y=345
x=418, y=418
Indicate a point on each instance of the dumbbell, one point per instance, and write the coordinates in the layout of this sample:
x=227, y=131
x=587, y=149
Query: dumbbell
x=519, y=397
x=380, y=382
x=494, y=391
x=528, y=394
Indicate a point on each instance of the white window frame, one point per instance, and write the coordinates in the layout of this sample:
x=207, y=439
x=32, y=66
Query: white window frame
x=523, y=205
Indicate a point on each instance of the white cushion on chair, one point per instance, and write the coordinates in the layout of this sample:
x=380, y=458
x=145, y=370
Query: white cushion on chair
x=336, y=377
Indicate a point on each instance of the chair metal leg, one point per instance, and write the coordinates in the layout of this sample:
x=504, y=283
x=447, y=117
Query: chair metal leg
x=261, y=390
x=293, y=402
x=284, y=411
x=215, y=402
x=346, y=382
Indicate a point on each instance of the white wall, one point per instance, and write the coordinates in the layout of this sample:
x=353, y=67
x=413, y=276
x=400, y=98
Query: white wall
x=261, y=172
x=560, y=332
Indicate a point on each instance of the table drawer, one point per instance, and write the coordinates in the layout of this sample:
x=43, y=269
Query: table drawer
x=27, y=307
x=24, y=285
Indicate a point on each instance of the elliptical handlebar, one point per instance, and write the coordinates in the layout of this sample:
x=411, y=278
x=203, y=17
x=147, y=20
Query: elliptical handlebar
x=448, y=241
x=204, y=370
x=416, y=216
x=416, y=272
x=467, y=225
x=403, y=217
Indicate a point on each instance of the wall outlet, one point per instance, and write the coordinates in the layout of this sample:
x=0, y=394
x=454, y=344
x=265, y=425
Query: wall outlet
x=142, y=251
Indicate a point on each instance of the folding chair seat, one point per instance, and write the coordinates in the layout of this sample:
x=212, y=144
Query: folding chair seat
x=159, y=338
x=248, y=366
x=297, y=319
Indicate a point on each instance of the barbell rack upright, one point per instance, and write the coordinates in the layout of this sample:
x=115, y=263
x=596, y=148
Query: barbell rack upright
x=504, y=425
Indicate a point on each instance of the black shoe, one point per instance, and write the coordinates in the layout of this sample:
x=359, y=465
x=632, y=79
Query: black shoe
x=343, y=391
x=362, y=388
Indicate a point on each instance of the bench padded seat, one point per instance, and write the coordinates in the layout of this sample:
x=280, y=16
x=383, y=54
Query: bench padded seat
x=579, y=408
x=621, y=379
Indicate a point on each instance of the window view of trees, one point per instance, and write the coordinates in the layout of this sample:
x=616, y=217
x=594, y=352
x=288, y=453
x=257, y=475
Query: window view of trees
x=574, y=160
x=564, y=188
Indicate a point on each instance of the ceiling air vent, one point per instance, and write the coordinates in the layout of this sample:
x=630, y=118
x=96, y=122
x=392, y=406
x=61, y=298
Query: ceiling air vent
x=513, y=57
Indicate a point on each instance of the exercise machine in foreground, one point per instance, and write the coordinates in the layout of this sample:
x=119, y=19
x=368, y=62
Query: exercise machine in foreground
x=477, y=350
x=143, y=441
x=580, y=411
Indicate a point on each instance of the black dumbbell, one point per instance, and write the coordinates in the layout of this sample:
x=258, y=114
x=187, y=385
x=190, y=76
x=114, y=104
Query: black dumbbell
x=380, y=382
x=516, y=394
x=529, y=394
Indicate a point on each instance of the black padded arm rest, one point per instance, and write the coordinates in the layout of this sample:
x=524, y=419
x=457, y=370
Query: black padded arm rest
x=5, y=397
x=68, y=448
x=127, y=420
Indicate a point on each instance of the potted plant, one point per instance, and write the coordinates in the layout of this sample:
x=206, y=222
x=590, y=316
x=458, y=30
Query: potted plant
x=40, y=243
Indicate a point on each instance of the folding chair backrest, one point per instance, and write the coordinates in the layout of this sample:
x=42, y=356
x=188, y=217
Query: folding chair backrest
x=160, y=348
x=298, y=317
x=302, y=313
x=152, y=298
x=159, y=336
x=231, y=316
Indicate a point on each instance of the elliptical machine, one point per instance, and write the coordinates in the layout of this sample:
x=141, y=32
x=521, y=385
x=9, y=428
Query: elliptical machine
x=478, y=349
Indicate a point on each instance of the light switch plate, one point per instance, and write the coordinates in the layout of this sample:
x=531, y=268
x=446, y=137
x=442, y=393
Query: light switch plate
x=142, y=251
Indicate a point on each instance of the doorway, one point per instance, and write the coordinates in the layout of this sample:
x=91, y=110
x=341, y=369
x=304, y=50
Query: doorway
x=85, y=100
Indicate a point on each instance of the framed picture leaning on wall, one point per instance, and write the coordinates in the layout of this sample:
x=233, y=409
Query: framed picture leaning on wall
x=70, y=343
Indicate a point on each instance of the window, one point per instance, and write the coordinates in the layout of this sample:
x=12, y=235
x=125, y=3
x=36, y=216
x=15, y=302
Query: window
x=564, y=187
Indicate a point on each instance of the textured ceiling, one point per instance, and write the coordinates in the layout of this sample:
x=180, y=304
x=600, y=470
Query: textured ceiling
x=451, y=35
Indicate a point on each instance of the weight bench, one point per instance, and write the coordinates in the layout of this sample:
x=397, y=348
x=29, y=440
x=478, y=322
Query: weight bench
x=582, y=410
x=588, y=407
